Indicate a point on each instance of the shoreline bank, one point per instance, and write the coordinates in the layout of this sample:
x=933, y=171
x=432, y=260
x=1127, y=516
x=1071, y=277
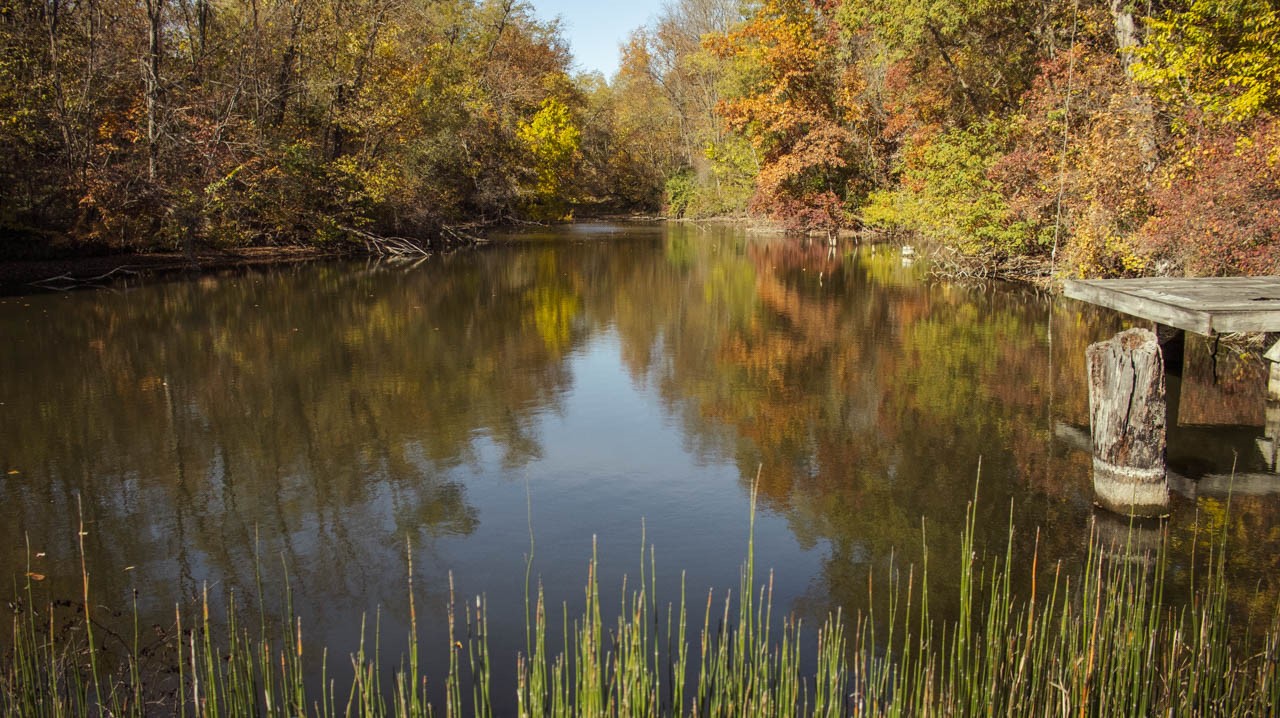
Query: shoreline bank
x=18, y=276
x=22, y=276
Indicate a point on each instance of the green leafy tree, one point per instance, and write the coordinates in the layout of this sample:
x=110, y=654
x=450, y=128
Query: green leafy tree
x=948, y=194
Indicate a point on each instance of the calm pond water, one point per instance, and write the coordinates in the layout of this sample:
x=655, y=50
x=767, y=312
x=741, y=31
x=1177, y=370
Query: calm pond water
x=622, y=384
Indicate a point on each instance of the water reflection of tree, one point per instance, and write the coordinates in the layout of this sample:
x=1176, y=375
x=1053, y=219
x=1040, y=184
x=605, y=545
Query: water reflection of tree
x=319, y=410
x=868, y=398
x=327, y=409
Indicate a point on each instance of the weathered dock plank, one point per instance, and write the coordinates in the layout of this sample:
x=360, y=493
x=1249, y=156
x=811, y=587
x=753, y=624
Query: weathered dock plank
x=1205, y=306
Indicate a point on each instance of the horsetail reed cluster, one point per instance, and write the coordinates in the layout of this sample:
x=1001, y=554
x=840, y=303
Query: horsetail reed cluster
x=1100, y=642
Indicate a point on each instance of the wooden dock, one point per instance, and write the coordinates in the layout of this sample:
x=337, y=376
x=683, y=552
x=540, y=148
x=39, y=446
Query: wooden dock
x=1206, y=306
x=1128, y=407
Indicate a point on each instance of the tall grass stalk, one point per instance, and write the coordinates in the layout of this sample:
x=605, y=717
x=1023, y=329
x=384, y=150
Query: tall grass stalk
x=1100, y=641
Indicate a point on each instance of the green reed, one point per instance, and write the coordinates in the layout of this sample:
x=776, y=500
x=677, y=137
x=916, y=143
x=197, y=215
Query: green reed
x=1102, y=641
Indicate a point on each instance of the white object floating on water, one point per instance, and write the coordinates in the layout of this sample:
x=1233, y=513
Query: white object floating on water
x=908, y=250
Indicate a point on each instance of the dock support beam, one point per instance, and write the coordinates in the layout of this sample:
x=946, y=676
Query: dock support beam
x=1127, y=419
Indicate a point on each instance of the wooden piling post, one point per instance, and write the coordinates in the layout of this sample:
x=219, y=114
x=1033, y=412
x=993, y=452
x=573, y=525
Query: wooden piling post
x=1269, y=444
x=1127, y=420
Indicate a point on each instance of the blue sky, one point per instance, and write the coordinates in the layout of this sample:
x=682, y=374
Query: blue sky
x=595, y=28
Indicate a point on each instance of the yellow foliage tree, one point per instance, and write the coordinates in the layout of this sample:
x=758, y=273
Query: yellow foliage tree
x=553, y=140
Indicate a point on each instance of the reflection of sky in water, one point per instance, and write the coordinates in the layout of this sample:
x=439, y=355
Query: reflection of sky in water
x=614, y=466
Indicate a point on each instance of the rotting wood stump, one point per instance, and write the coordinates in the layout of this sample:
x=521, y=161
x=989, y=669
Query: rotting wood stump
x=1127, y=421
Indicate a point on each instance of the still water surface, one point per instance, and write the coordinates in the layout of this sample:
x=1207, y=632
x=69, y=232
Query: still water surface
x=617, y=384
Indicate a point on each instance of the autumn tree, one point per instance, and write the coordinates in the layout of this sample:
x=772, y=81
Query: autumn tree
x=786, y=101
x=668, y=88
x=632, y=141
x=553, y=141
x=181, y=123
x=1212, y=67
x=1215, y=56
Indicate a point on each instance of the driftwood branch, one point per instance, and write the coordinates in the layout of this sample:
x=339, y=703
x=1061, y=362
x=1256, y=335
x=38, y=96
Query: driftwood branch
x=951, y=263
x=402, y=247
x=459, y=236
x=527, y=222
x=382, y=246
x=68, y=279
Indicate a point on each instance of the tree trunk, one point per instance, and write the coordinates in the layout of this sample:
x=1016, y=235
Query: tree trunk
x=955, y=71
x=151, y=78
x=284, y=78
x=1126, y=34
x=52, y=19
x=1127, y=418
x=1125, y=29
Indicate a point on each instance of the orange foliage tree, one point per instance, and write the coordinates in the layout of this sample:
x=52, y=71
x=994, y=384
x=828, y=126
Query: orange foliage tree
x=787, y=102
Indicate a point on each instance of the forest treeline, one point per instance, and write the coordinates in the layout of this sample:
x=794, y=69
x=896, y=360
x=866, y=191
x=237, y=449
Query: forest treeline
x=1106, y=137
x=180, y=123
